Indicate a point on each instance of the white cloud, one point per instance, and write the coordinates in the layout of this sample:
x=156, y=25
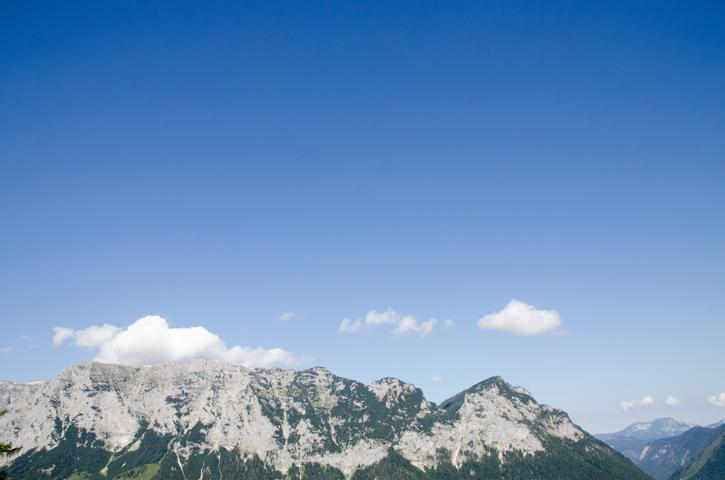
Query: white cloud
x=91, y=337
x=671, y=401
x=373, y=317
x=436, y=379
x=629, y=405
x=349, y=326
x=61, y=334
x=521, y=319
x=258, y=357
x=287, y=316
x=717, y=400
x=6, y=349
x=408, y=324
x=95, y=336
x=151, y=340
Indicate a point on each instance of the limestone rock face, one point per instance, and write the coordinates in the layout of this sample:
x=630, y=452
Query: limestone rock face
x=92, y=416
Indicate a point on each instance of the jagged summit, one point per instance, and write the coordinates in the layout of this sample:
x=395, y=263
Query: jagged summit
x=496, y=382
x=320, y=370
x=652, y=430
x=184, y=416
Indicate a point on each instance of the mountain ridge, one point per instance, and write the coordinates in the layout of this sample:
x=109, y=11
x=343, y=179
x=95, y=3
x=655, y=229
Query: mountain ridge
x=658, y=428
x=195, y=419
x=663, y=456
x=632, y=440
x=709, y=464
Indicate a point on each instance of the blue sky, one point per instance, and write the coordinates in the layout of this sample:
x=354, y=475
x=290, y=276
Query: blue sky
x=220, y=163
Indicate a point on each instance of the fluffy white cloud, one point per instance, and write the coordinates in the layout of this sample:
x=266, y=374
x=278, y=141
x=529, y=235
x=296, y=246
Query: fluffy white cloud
x=287, y=316
x=521, y=319
x=448, y=324
x=95, y=336
x=717, y=400
x=436, y=379
x=409, y=324
x=629, y=405
x=671, y=401
x=373, y=317
x=349, y=326
x=151, y=340
x=61, y=334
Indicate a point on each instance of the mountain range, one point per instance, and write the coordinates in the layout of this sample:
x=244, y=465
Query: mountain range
x=209, y=420
x=632, y=440
x=691, y=452
x=709, y=464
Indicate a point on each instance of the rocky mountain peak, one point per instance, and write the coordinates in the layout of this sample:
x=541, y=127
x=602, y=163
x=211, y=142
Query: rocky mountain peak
x=657, y=428
x=281, y=417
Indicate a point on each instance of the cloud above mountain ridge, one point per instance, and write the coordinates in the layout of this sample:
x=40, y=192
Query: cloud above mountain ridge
x=629, y=405
x=151, y=340
x=406, y=324
x=520, y=318
x=717, y=400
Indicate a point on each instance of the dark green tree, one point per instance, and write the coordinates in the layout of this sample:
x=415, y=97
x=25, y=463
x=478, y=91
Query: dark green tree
x=6, y=449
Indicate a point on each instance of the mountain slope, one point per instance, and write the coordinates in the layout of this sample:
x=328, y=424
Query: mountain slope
x=661, y=458
x=632, y=440
x=210, y=420
x=710, y=464
x=657, y=428
x=716, y=424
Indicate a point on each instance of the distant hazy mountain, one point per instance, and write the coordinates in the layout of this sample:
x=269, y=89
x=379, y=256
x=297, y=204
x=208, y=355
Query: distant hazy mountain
x=207, y=420
x=717, y=424
x=632, y=440
x=661, y=458
x=658, y=428
x=710, y=464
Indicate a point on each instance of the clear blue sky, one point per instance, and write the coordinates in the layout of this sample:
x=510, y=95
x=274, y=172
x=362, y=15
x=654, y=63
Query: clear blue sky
x=218, y=163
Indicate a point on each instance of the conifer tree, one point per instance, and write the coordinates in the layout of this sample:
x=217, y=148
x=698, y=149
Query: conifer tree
x=6, y=449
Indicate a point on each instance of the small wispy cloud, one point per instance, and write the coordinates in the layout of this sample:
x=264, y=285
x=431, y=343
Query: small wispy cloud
x=409, y=324
x=717, y=400
x=373, y=317
x=403, y=324
x=436, y=379
x=520, y=318
x=671, y=401
x=287, y=316
x=29, y=341
x=448, y=324
x=629, y=405
x=6, y=349
x=349, y=326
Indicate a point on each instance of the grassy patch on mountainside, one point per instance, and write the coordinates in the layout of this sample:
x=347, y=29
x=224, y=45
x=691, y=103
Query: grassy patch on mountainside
x=144, y=472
